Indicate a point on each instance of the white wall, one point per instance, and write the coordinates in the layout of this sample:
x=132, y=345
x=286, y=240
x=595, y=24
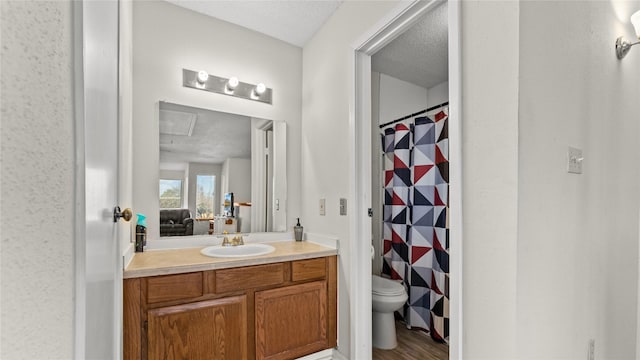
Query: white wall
x=327, y=70
x=399, y=98
x=167, y=39
x=490, y=177
x=577, y=234
x=438, y=94
x=37, y=174
x=237, y=173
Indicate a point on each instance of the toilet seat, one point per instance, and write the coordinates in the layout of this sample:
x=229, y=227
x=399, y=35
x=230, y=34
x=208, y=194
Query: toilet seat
x=386, y=287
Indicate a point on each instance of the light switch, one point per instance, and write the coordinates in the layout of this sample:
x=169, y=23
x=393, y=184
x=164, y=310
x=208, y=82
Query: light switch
x=322, y=207
x=574, y=160
x=343, y=206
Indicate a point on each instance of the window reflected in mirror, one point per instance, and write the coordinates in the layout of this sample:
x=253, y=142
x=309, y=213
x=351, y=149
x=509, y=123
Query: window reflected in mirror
x=170, y=193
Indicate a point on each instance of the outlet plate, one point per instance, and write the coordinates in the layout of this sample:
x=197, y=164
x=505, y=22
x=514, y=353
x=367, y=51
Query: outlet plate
x=323, y=207
x=343, y=206
x=592, y=350
x=574, y=160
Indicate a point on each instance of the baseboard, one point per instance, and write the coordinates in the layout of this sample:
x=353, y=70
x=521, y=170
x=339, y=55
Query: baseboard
x=337, y=355
x=328, y=354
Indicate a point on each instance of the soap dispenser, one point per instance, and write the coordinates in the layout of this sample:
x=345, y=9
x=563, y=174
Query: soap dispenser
x=297, y=231
x=141, y=232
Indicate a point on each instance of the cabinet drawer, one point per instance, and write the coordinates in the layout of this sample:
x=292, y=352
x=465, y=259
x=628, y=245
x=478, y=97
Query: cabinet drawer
x=249, y=277
x=174, y=287
x=308, y=269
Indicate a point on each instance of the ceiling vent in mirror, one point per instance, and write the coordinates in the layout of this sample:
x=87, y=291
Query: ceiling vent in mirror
x=177, y=122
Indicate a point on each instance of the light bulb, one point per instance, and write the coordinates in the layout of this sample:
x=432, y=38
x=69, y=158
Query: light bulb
x=232, y=83
x=260, y=89
x=202, y=77
x=635, y=20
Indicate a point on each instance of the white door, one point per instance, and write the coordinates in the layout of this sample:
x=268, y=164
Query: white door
x=279, y=151
x=98, y=269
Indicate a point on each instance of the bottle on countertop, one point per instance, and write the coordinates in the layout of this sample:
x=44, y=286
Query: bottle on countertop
x=141, y=232
x=297, y=231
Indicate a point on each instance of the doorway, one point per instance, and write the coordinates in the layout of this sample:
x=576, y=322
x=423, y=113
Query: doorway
x=375, y=40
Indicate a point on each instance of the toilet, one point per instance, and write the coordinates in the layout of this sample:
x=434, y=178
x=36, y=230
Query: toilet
x=387, y=297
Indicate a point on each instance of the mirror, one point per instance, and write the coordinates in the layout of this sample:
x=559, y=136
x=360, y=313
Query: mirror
x=219, y=172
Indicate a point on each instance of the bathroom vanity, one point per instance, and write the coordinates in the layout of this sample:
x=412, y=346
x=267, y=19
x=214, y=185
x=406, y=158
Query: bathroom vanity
x=179, y=304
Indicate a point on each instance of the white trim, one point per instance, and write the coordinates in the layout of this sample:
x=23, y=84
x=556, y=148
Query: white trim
x=328, y=354
x=320, y=355
x=258, y=186
x=396, y=22
x=391, y=26
x=337, y=355
x=360, y=192
x=455, y=184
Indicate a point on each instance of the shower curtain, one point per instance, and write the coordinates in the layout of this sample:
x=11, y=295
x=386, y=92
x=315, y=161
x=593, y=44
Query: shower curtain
x=416, y=235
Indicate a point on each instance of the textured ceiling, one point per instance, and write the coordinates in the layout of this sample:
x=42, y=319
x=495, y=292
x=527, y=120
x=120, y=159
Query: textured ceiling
x=294, y=22
x=418, y=56
x=216, y=136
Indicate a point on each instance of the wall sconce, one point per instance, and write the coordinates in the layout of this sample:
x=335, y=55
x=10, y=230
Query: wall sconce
x=623, y=46
x=202, y=80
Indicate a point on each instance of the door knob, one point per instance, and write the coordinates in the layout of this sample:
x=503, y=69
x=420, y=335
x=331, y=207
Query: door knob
x=126, y=214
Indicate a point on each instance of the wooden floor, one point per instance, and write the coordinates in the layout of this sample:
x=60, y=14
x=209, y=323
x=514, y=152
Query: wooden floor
x=413, y=345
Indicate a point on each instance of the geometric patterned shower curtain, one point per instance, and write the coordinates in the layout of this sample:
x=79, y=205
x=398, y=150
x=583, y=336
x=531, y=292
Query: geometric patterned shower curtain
x=416, y=235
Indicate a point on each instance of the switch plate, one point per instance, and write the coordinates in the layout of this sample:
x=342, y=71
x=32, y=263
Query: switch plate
x=343, y=206
x=592, y=349
x=322, y=207
x=574, y=160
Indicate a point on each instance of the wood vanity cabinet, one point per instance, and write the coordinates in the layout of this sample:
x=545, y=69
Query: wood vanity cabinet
x=274, y=311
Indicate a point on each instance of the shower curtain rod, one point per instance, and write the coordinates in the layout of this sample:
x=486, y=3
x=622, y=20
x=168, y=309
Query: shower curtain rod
x=414, y=114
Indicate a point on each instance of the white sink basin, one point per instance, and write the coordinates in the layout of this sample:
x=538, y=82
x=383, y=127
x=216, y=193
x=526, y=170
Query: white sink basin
x=237, y=251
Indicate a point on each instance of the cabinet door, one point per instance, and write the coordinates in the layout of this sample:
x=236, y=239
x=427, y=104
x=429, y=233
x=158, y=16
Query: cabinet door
x=291, y=321
x=214, y=329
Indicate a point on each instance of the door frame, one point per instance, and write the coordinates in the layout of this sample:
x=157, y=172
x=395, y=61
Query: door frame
x=391, y=26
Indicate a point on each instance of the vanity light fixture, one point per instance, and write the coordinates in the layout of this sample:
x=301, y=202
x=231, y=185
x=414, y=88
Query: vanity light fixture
x=258, y=90
x=623, y=46
x=202, y=77
x=202, y=80
x=232, y=83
